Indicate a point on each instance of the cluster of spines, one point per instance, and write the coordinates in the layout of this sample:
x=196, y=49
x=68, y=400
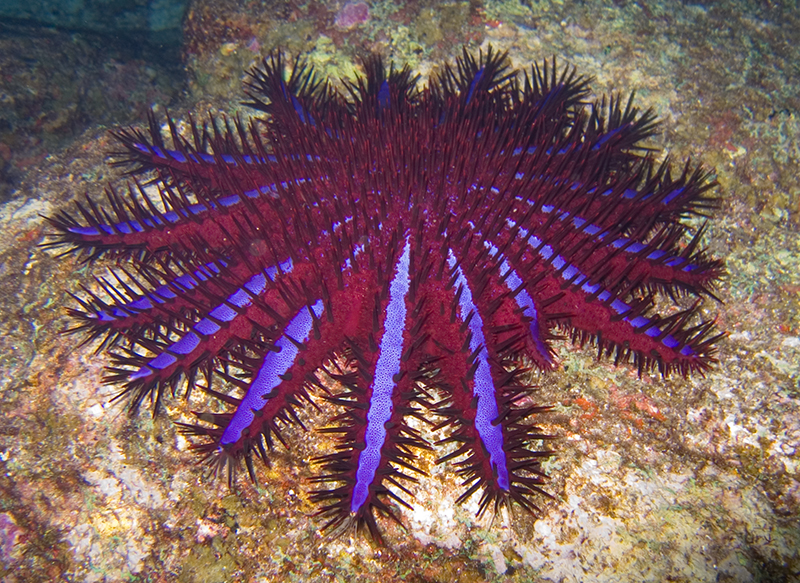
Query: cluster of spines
x=398, y=465
x=525, y=464
x=570, y=218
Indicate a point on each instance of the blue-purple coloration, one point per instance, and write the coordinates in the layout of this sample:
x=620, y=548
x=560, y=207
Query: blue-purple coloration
x=383, y=384
x=221, y=314
x=523, y=299
x=572, y=274
x=626, y=245
x=161, y=294
x=402, y=252
x=490, y=433
x=276, y=363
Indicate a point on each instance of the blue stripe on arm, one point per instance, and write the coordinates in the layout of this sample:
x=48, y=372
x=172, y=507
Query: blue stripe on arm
x=255, y=286
x=524, y=301
x=474, y=84
x=568, y=272
x=275, y=364
x=483, y=386
x=388, y=365
x=384, y=97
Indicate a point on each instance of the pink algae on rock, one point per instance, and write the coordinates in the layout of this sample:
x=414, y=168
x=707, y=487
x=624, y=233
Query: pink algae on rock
x=352, y=14
x=9, y=535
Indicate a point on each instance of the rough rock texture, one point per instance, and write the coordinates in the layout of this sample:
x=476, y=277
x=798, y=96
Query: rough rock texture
x=55, y=84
